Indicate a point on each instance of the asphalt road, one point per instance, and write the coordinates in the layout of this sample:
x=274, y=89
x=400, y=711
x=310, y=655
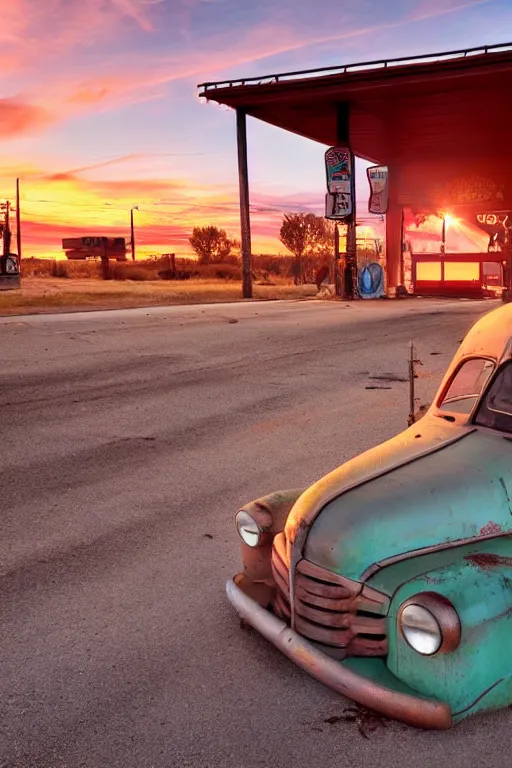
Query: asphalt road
x=129, y=439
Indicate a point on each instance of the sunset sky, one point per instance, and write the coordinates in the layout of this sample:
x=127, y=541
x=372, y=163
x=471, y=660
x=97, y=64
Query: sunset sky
x=99, y=109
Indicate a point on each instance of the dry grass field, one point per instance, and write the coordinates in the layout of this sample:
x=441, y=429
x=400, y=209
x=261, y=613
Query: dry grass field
x=47, y=294
x=53, y=286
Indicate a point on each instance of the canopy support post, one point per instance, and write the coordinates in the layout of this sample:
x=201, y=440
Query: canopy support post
x=394, y=238
x=245, y=217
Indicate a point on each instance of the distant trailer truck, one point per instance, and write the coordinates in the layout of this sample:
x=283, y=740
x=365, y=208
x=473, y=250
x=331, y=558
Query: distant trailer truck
x=81, y=248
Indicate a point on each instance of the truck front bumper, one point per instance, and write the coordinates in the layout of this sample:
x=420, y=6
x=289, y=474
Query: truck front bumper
x=380, y=691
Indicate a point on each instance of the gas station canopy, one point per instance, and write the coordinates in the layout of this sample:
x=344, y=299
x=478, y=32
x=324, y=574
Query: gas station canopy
x=441, y=123
x=430, y=106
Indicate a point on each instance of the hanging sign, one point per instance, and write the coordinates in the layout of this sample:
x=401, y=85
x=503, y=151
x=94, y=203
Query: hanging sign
x=338, y=206
x=339, y=165
x=379, y=189
x=494, y=221
x=497, y=224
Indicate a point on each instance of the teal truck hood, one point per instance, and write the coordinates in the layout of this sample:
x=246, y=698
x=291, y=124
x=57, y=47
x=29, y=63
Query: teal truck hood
x=412, y=492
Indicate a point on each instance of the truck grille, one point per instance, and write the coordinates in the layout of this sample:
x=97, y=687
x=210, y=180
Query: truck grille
x=342, y=616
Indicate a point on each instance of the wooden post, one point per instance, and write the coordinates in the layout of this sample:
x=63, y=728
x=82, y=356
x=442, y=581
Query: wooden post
x=105, y=267
x=245, y=218
x=344, y=285
x=393, y=239
x=18, y=220
x=338, y=284
x=351, y=259
x=412, y=393
x=132, y=228
x=402, y=238
x=7, y=229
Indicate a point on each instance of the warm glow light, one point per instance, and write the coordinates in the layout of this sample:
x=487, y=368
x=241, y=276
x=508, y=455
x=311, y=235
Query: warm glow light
x=428, y=271
x=461, y=235
x=461, y=271
x=450, y=220
x=77, y=204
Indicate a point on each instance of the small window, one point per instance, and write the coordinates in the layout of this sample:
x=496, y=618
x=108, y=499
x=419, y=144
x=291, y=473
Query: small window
x=496, y=409
x=467, y=386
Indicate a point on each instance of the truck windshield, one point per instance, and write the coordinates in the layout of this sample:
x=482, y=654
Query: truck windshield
x=496, y=408
x=467, y=386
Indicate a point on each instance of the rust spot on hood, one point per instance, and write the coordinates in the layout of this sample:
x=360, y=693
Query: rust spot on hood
x=488, y=561
x=490, y=528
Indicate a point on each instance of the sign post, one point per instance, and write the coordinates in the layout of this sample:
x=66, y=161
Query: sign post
x=340, y=204
x=339, y=168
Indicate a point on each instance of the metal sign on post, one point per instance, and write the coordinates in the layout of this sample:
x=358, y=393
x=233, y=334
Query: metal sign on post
x=339, y=168
x=379, y=189
x=338, y=206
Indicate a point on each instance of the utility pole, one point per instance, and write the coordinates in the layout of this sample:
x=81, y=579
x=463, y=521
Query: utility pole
x=135, y=208
x=7, y=228
x=18, y=219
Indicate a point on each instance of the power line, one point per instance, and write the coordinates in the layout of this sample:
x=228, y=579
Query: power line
x=91, y=206
x=105, y=207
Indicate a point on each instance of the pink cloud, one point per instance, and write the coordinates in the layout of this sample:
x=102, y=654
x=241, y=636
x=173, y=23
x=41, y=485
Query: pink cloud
x=32, y=29
x=426, y=9
x=136, y=76
x=136, y=10
x=47, y=35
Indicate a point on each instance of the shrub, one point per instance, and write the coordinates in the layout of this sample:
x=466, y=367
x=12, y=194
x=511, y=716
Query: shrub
x=211, y=245
x=36, y=267
x=134, y=271
x=83, y=269
x=219, y=271
x=272, y=264
x=59, y=269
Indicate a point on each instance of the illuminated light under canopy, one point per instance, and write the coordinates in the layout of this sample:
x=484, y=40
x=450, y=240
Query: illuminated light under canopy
x=462, y=271
x=428, y=271
x=450, y=219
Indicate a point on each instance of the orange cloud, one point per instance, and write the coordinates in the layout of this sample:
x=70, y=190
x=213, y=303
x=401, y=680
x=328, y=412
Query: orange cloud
x=56, y=205
x=19, y=117
x=65, y=204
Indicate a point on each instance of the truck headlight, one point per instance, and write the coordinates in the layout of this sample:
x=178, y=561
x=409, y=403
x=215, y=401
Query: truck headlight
x=430, y=624
x=421, y=629
x=248, y=529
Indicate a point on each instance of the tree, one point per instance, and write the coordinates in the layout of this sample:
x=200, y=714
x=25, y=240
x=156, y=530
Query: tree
x=211, y=244
x=304, y=234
